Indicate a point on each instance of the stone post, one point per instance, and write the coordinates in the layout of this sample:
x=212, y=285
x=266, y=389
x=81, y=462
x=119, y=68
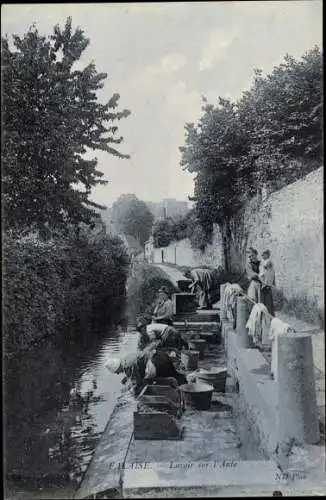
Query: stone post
x=243, y=312
x=225, y=331
x=296, y=386
x=223, y=313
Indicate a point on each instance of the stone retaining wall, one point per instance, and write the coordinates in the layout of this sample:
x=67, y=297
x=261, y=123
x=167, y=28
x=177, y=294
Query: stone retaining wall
x=257, y=404
x=290, y=223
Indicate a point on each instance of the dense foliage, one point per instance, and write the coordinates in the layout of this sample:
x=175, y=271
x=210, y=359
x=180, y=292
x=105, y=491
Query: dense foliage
x=51, y=118
x=269, y=137
x=55, y=286
x=132, y=217
x=168, y=230
x=163, y=232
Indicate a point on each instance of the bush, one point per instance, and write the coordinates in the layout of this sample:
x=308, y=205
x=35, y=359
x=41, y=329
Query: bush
x=163, y=232
x=54, y=287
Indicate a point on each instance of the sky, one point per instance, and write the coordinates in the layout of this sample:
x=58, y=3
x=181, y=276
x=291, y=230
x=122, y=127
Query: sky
x=162, y=58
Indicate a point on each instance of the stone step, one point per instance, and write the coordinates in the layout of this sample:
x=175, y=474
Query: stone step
x=198, y=316
x=209, y=326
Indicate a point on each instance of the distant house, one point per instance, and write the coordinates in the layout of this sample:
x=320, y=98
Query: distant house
x=168, y=207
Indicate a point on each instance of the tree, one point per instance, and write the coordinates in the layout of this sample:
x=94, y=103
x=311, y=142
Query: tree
x=282, y=115
x=273, y=133
x=51, y=118
x=215, y=150
x=133, y=217
x=163, y=232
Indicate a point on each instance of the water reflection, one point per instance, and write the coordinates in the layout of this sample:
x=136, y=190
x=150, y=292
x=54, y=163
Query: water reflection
x=58, y=399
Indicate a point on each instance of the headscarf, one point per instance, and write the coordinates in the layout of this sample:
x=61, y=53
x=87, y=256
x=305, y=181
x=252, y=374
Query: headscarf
x=113, y=364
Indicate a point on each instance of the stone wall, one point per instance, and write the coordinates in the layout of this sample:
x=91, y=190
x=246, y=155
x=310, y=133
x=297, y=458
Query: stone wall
x=290, y=223
x=257, y=403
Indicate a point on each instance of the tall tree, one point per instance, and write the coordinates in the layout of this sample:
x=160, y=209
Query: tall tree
x=51, y=118
x=272, y=134
x=282, y=115
x=214, y=150
x=132, y=216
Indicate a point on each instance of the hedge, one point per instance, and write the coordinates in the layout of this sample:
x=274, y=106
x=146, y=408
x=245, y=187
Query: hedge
x=49, y=288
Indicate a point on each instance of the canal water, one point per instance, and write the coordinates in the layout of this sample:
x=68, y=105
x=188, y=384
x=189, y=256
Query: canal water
x=58, y=399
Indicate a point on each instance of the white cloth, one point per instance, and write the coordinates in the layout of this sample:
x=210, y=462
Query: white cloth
x=223, y=306
x=278, y=327
x=258, y=323
x=150, y=371
x=155, y=328
x=113, y=364
x=229, y=297
x=267, y=272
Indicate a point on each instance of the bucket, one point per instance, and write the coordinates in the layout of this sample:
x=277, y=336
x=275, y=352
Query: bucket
x=215, y=377
x=198, y=345
x=197, y=395
x=190, y=359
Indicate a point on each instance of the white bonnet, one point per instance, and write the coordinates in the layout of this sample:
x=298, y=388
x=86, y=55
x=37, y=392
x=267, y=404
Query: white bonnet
x=113, y=364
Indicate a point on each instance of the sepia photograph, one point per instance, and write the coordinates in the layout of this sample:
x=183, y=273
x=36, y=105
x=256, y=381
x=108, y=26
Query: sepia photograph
x=163, y=250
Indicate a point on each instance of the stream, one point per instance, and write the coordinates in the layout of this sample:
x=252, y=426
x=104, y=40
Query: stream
x=58, y=399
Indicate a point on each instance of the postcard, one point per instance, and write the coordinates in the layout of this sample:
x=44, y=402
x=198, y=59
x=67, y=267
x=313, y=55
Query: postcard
x=163, y=270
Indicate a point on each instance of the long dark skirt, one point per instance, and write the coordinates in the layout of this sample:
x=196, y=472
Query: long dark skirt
x=267, y=299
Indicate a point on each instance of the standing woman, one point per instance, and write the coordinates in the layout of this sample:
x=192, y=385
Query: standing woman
x=252, y=269
x=267, y=276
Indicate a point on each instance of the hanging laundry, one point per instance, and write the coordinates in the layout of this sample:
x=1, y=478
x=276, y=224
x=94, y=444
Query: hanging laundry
x=232, y=291
x=223, y=303
x=278, y=327
x=258, y=323
x=155, y=330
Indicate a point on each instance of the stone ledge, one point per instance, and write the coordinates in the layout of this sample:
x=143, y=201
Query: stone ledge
x=201, y=474
x=211, y=479
x=102, y=474
x=250, y=360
